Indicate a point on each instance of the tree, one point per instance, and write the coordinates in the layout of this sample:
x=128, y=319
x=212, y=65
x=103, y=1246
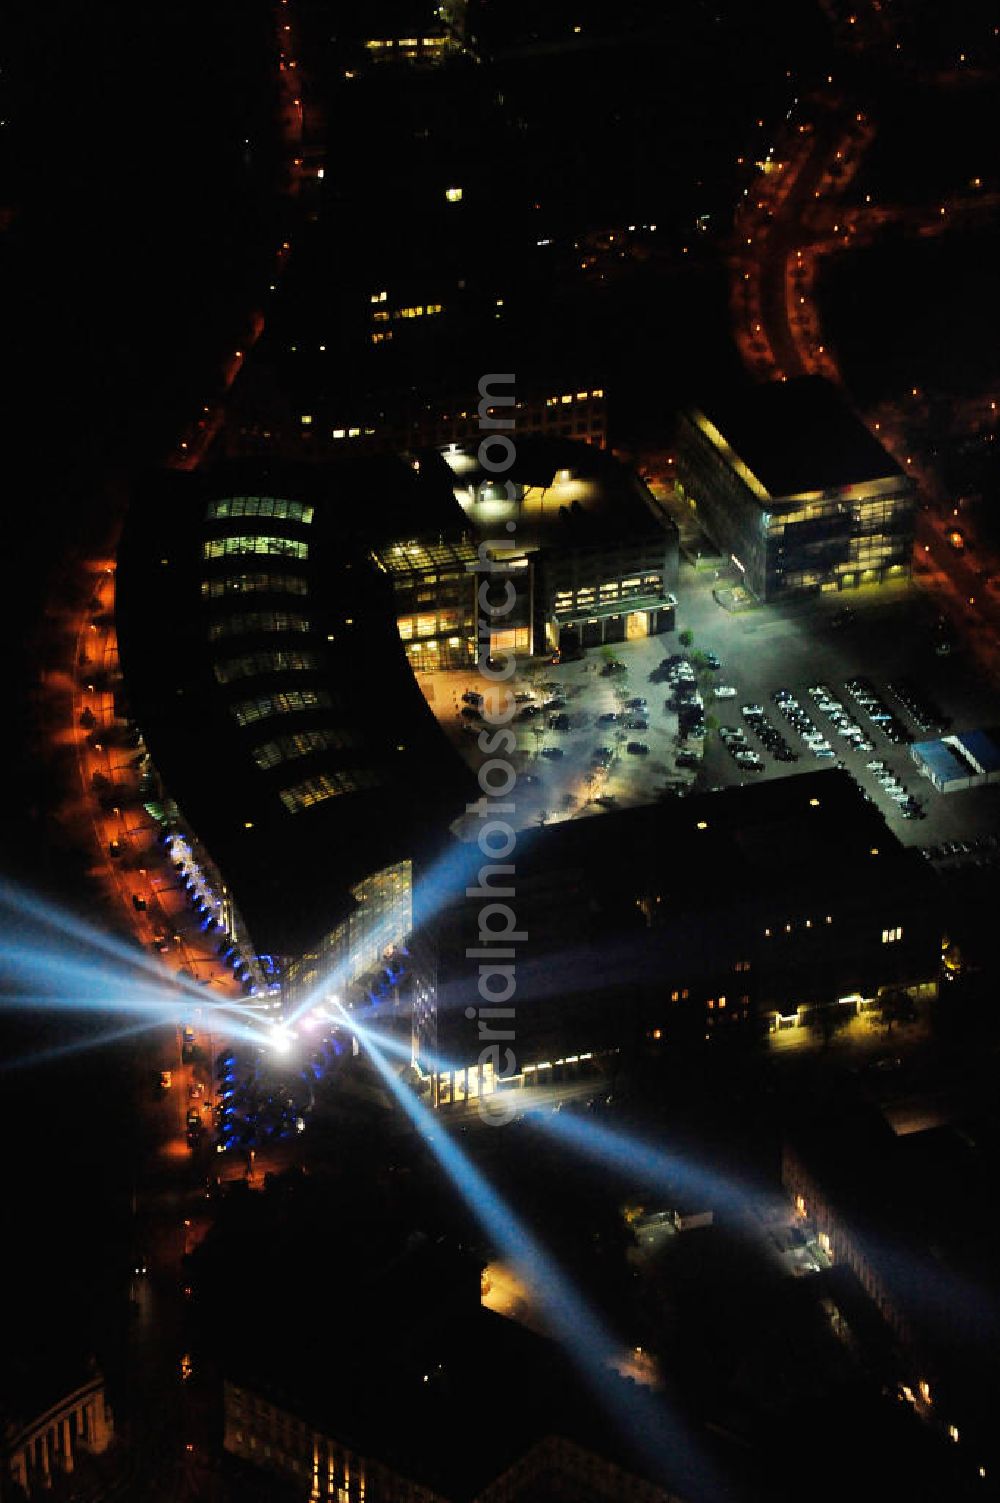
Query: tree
x=686, y=637
x=896, y=1006
x=827, y=1021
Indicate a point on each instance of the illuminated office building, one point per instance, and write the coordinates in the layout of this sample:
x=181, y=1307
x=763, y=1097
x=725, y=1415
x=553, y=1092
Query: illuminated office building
x=597, y=554
x=264, y=669
x=415, y=33
x=789, y=483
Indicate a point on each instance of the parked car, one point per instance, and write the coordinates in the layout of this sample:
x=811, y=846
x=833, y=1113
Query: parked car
x=725, y=691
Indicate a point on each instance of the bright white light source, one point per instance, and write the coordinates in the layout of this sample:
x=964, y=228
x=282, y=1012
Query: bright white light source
x=281, y=1040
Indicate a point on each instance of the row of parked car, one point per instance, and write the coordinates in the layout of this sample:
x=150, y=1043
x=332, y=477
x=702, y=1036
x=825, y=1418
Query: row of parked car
x=844, y=723
x=735, y=741
x=877, y=711
x=767, y=732
x=980, y=851
x=800, y=720
x=924, y=713
x=897, y=791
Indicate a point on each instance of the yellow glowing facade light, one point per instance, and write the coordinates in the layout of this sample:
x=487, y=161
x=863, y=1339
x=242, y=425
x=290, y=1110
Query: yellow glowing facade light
x=715, y=438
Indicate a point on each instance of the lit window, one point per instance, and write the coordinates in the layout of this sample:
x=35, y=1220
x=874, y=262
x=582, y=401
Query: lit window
x=248, y=711
x=257, y=663
x=260, y=506
x=453, y=195
x=254, y=584
x=892, y=936
x=379, y=297
x=305, y=419
x=327, y=786
x=303, y=744
x=245, y=624
x=276, y=547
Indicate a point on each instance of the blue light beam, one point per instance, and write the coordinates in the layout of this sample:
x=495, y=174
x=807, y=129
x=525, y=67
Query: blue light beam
x=646, y=1422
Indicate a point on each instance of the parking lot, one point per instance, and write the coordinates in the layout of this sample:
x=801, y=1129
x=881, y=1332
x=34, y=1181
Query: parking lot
x=886, y=639
x=590, y=736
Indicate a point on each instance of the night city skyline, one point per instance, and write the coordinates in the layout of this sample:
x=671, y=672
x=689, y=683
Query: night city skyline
x=497, y=996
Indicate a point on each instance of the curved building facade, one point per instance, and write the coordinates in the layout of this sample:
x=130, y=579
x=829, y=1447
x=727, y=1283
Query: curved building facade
x=264, y=668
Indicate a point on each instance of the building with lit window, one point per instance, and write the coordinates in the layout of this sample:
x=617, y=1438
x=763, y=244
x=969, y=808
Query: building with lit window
x=597, y=553
x=744, y=910
x=395, y=425
x=902, y=1200
x=415, y=32
x=264, y=668
x=790, y=484
x=400, y=1420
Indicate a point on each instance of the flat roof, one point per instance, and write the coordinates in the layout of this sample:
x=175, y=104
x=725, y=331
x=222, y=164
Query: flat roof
x=799, y=436
x=568, y=494
x=941, y=761
x=982, y=748
x=272, y=688
x=765, y=835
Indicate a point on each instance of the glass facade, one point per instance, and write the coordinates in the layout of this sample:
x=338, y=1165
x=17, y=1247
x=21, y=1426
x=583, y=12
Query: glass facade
x=248, y=711
x=245, y=543
x=255, y=664
x=435, y=594
x=249, y=623
x=380, y=923
x=254, y=584
x=326, y=786
x=259, y=506
x=824, y=540
x=301, y=744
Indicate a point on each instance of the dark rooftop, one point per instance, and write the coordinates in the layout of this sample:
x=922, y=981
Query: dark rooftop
x=570, y=494
x=799, y=436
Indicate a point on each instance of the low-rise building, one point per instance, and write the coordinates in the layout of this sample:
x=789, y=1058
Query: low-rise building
x=743, y=910
x=967, y=760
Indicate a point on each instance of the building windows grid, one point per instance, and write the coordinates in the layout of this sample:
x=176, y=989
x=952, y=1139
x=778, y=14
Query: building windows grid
x=257, y=663
x=273, y=546
x=248, y=711
x=254, y=584
x=301, y=744
x=260, y=506
x=247, y=623
x=326, y=786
